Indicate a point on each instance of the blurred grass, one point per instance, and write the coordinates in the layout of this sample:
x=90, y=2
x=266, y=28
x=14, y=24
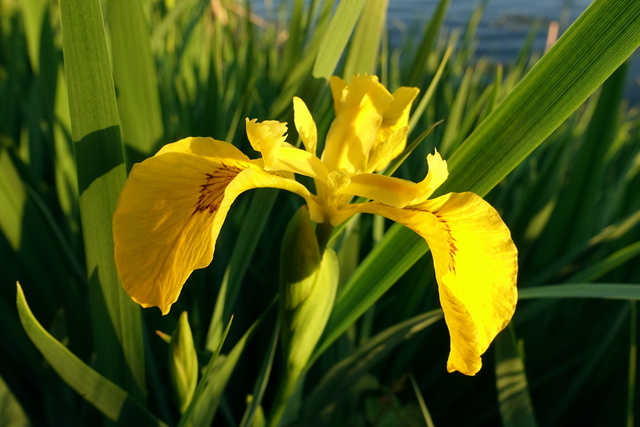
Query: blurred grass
x=199, y=68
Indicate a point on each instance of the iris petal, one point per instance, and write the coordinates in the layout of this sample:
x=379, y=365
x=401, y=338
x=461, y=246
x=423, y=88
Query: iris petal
x=267, y=137
x=399, y=192
x=359, y=107
x=171, y=210
x=476, y=266
x=305, y=125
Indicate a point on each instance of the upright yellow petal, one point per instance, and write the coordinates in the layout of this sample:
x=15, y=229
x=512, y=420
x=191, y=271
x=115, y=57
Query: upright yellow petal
x=170, y=212
x=392, y=135
x=305, y=125
x=476, y=267
x=267, y=137
x=355, y=127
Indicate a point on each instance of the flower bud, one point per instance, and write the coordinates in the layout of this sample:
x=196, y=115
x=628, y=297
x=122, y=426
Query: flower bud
x=183, y=363
x=309, y=280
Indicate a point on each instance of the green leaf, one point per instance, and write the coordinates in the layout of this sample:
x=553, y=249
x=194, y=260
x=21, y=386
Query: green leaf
x=101, y=173
x=613, y=261
x=208, y=395
x=11, y=413
x=516, y=409
x=583, y=290
x=134, y=75
x=253, y=225
x=371, y=280
x=424, y=52
x=598, y=42
x=365, y=44
x=115, y=403
x=34, y=13
x=203, y=385
x=346, y=372
x=336, y=37
x=253, y=412
x=423, y=406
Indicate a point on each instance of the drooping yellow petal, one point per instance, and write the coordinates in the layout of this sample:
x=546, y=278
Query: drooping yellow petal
x=476, y=266
x=355, y=127
x=305, y=125
x=399, y=192
x=170, y=212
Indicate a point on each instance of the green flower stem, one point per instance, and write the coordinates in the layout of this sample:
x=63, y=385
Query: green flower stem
x=308, y=282
x=286, y=390
x=323, y=234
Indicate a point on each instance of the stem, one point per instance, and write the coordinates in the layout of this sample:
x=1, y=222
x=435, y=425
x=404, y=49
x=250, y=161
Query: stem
x=323, y=234
x=285, y=391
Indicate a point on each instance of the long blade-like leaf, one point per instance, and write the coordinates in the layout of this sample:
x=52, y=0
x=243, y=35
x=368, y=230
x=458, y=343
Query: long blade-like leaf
x=600, y=40
x=583, y=290
x=101, y=173
x=335, y=39
x=346, y=372
x=135, y=77
x=365, y=44
x=516, y=409
x=115, y=403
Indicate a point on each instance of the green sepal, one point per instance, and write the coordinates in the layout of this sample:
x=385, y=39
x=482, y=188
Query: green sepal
x=183, y=363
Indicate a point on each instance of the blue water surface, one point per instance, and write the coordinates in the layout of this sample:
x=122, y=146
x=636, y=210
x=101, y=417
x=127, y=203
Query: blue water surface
x=502, y=30
x=504, y=26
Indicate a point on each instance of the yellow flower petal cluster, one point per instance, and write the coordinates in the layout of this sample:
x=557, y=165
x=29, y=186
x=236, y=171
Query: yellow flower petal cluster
x=173, y=205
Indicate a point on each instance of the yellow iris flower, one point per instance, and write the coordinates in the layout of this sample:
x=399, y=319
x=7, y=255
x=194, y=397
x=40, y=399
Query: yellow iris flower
x=173, y=205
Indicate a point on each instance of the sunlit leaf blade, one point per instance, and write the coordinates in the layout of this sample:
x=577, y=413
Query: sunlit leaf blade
x=101, y=172
x=583, y=290
x=514, y=401
x=428, y=94
x=365, y=43
x=11, y=413
x=34, y=12
x=336, y=37
x=599, y=41
x=106, y=396
x=417, y=70
x=135, y=77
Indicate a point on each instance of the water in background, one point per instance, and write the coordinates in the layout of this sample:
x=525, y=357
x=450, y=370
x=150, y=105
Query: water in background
x=502, y=30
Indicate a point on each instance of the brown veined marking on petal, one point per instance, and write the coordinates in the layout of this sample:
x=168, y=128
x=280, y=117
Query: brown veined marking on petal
x=212, y=191
x=451, y=240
